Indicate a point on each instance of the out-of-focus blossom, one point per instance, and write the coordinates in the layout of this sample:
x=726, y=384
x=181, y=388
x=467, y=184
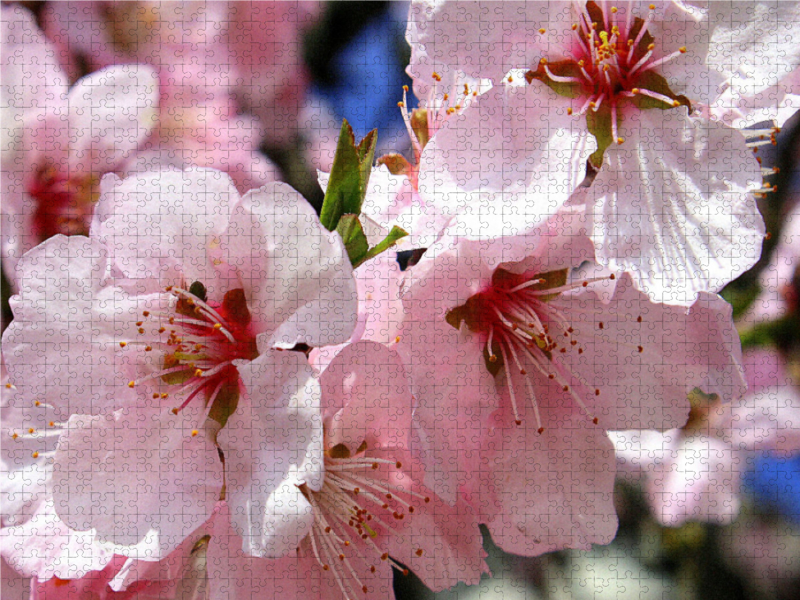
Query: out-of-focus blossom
x=60, y=141
x=198, y=124
x=760, y=64
x=694, y=473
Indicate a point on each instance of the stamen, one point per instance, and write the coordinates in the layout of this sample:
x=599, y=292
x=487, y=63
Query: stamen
x=510, y=386
x=558, y=78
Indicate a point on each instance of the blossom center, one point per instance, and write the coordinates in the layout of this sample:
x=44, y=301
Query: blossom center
x=199, y=343
x=362, y=500
x=611, y=64
x=63, y=204
x=524, y=330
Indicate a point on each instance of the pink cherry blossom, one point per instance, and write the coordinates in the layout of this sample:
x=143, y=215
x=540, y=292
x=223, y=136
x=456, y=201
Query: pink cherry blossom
x=517, y=352
x=614, y=86
x=694, y=473
x=172, y=362
x=371, y=511
x=60, y=140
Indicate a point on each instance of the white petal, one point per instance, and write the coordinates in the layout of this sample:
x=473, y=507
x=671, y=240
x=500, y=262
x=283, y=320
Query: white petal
x=673, y=205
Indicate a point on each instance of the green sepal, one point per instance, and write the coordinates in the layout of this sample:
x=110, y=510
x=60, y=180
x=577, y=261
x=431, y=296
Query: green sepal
x=225, y=403
x=355, y=241
x=349, y=177
x=396, y=163
x=395, y=235
x=562, y=68
x=650, y=80
x=419, y=124
x=178, y=377
x=599, y=125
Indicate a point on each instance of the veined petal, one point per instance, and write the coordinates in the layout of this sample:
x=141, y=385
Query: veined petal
x=511, y=159
x=296, y=273
x=681, y=220
x=272, y=444
x=135, y=475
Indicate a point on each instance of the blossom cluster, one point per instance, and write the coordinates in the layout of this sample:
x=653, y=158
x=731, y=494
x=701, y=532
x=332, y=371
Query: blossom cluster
x=211, y=390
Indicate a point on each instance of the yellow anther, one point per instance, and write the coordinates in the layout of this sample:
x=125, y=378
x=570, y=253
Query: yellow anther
x=174, y=411
x=31, y=430
x=614, y=9
x=397, y=340
x=217, y=325
x=651, y=46
x=569, y=111
x=35, y=455
x=682, y=49
x=574, y=26
x=543, y=61
x=14, y=436
x=37, y=403
x=164, y=395
x=405, y=88
x=399, y=105
x=123, y=344
x=675, y=104
x=51, y=424
x=194, y=432
x=635, y=91
x=652, y=7
x=581, y=62
x=620, y=140
x=198, y=373
x=543, y=31
x=131, y=384
x=9, y=386
x=510, y=79
x=436, y=76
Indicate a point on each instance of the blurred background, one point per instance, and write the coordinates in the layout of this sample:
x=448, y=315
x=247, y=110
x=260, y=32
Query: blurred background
x=300, y=69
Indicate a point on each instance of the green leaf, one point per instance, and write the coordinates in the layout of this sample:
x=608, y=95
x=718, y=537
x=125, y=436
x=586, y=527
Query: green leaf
x=355, y=242
x=599, y=125
x=395, y=235
x=350, y=173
